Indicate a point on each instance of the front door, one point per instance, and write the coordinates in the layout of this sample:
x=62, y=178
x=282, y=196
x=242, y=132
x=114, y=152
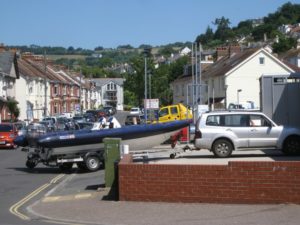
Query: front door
x=262, y=133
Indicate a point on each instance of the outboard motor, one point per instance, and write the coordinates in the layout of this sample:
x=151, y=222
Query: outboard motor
x=34, y=131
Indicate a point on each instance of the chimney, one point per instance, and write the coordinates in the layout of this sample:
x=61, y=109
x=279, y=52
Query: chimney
x=221, y=52
x=234, y=49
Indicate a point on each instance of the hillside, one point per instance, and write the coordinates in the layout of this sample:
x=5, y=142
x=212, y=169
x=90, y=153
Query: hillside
x=100, y=61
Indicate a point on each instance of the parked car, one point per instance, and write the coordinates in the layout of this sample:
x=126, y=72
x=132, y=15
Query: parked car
x=50, y=126
x=8, y=132
x=51, y=118
x=135, y=111
x=110, y=109
x=21, y=127
x=133, y=120
x=85, y=125
x=98, y=113
x=79, y=118
x=223, y=132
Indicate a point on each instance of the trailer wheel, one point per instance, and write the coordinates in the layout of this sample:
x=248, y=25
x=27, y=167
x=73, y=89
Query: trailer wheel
x=92, y=163
x=30, y=164
x=81, y=166
x=66, y=166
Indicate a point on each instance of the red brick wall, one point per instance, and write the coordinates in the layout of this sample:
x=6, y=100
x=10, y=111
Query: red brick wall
x=237, y=182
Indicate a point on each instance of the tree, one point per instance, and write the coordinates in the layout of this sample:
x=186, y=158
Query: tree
x=223, y=32
x=12, y=106
x=143, y=46
x=166, y=51
x=284, y=44
x=204, y=39
x=134, y=83
x=261, y=30
x=99, y=48
x=124, y=47
x=244, y=28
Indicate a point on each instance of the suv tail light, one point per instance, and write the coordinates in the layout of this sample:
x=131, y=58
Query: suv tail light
x=198, y=134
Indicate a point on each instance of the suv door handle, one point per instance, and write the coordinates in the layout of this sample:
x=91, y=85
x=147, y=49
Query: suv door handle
x=253, y=130
x=228, y=129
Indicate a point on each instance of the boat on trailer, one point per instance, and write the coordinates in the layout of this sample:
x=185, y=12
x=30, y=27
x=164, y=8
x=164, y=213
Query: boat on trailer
x=86, y=147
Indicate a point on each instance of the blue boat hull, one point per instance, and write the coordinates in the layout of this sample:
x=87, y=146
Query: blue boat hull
x=138, y=137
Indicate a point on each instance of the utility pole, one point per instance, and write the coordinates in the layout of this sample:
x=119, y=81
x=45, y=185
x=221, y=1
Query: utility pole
x=80, y=75
x=45, y=83
x=146, y=54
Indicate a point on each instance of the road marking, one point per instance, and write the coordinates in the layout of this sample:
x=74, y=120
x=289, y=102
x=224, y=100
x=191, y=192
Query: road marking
x=50, y=199
x=14, y=208
x=55, y=179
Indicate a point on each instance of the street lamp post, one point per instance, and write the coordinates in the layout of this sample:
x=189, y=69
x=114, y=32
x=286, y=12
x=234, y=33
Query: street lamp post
x=146, y=54
x=226, y=86
x=238, y=97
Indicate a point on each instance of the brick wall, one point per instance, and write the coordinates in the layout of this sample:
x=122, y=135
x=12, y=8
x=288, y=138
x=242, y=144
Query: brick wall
x=237, y=182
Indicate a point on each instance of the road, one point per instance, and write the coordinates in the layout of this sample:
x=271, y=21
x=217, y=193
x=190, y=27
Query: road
x=17, y=182
x=20, y=187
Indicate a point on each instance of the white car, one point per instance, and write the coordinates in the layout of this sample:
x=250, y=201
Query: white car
x=223, y=132
x=135, y=111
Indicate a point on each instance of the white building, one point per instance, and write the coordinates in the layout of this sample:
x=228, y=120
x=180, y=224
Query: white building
x=8, y=75
x=31, y=91
x=234, y=77
x=112, y=92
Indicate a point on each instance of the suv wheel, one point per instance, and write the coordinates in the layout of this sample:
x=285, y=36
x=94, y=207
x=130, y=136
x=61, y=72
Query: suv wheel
x=292, y=146
x=222, y=148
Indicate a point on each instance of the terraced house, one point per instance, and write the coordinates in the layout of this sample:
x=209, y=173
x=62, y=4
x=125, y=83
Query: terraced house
x=46, y=89
x=9, y=73
x=40, y=88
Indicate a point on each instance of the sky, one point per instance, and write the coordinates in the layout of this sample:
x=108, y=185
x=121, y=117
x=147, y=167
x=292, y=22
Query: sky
x=109, y=23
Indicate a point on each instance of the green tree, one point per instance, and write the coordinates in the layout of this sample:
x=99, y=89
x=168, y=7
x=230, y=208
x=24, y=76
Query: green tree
x=135, y=81
x=223, y=31
x=244, y=28
x=261, y=30
x=204, y=39
x=284, y=44
x=12, y=106
x=166, y=51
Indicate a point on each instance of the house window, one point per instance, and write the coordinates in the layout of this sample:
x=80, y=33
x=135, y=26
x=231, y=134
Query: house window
x=182, y=90
x=55, y=91
x=55, y=107
x=65, y=107
x=108, y=87
x=261, y=60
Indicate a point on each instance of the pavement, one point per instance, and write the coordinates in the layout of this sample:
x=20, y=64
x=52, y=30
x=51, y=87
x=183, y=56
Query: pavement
x=71, y=202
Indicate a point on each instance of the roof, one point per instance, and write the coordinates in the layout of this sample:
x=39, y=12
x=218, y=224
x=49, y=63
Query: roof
x=227, y=64
x=291, y=53
x=104, y=81
x=7, y=60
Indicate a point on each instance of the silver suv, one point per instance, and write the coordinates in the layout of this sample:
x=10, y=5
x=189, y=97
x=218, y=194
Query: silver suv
x=223, y=132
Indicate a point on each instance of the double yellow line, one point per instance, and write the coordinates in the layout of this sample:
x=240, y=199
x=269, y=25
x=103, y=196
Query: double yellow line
x=14, y=209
